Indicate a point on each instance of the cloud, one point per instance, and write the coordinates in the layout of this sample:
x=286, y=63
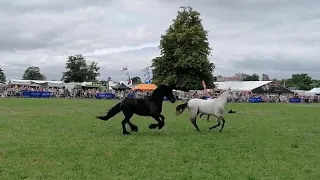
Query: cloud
x=277, y=37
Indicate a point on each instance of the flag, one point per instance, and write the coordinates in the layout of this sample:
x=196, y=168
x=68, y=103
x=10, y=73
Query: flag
x=124, y=69
x=109, y=79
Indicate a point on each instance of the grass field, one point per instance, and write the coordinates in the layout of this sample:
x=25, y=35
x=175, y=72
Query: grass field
x=61, y=139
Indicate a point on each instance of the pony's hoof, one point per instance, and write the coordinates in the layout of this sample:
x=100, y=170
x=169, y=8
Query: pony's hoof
x=126, y=133
x=160, y=126
x=135, y=129
x=153, y=126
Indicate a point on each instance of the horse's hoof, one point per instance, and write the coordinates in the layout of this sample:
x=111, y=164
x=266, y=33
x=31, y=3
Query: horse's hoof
x=135, y=129
x=153, y=126
x=160, y=126
x=126, y=133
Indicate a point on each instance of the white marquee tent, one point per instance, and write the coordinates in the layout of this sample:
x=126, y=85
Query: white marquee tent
x=29, y=82
x=313, y=91
x=240, y=85
x=253, y=86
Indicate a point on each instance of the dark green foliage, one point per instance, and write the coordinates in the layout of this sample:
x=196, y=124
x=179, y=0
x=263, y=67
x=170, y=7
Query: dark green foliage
x=184, y=61
x=33, y=73
x=2, y=76
x=79, y=71
x=136, y=80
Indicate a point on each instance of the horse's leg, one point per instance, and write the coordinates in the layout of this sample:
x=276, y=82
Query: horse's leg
x=223, y=121
x=123, y=123
x=133, y=127
x=127, y=115
x=208, y=118
x=161, y=124
x=219, y=123
x=193, y=120
x=201, y=115
x=157, y=118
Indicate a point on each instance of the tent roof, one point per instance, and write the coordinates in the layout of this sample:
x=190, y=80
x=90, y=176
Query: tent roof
x=121, y=86
x=145, y=87
x=27, y=82
x=240, y=85
x=315, y=90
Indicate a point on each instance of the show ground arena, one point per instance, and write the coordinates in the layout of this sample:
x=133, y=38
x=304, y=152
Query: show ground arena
x=50, y=138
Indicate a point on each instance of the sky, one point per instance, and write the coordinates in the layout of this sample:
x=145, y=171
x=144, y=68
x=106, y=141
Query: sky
x=277, y=37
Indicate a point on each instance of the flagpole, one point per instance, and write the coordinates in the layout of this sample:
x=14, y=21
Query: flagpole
x=108, y=84
x=146, y=70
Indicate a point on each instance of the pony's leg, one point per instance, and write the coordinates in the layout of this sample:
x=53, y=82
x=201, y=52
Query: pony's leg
x=219, y=123
x=223, y=121
x=157, y=118
x=193, y=120
x=127, y=115
x=133, y=127
x=201, y=115
x=208, y=118
x=123, y=123
x=161, y=124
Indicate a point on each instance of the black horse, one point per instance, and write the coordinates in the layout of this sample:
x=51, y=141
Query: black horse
x=150, y=106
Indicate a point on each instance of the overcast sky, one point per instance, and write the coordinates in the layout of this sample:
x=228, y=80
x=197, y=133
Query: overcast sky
x=277, y=37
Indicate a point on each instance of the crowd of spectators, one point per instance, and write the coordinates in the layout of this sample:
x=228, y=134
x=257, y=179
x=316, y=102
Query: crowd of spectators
x=16, y=91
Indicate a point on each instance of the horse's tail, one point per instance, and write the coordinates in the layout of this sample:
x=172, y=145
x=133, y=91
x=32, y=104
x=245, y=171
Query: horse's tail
x=180, y=108
x=112, y=112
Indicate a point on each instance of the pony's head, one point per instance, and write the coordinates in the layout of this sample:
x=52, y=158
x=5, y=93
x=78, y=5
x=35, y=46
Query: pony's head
x=231, y=94
x=167, y=92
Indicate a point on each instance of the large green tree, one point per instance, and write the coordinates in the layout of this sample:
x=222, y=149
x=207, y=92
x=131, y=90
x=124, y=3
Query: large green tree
x=2, y=76
x=184, y=61
x=33, y=73
x=79, y=71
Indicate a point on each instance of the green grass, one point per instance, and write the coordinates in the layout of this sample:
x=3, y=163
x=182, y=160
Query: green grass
x=61, y=139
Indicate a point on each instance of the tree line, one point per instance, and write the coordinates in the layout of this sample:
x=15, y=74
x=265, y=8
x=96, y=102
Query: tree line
x=183, y=62
x=77, y=70
x=302, y=81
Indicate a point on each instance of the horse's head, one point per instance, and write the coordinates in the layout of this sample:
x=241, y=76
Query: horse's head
x=167, y=92
x=231, y=94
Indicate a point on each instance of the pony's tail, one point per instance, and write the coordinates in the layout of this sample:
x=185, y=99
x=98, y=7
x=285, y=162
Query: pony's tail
x=112, y=112
x=180, y=108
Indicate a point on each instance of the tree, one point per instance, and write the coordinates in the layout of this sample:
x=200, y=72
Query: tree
x=247, y=77
x=79, y=71
x=184, y=62
x=303, y=81
x=136, y=80
x=33, y=73
x=315, y=83
x=265, y=77
x=2, y=76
